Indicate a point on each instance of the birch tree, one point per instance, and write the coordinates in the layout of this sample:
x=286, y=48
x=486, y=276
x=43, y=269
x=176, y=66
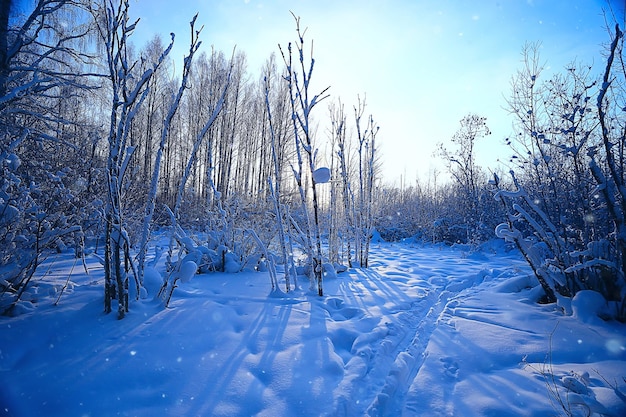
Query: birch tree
x=275, y=190
x=127, y=94
x=303, y=101
x=339, y=187
x=368, y=171
x=165, y=132
x=358, y=172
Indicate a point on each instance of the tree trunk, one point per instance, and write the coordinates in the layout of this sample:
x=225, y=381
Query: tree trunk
x=5, y=9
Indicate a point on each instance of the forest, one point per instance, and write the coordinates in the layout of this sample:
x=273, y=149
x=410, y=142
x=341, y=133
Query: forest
x=102, y=148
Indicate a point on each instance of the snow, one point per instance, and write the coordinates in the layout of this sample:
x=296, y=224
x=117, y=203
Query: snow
x=13, y=162
x=427, y=330
x=589, y=306
x=321, y=175
x=187, y=271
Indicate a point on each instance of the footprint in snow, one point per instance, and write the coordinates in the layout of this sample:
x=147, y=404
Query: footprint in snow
x=334, y=303
x=450, y=366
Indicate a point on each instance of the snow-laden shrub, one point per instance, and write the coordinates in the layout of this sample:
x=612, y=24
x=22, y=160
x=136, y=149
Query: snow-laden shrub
x=31, y=222
x=566, y=206
x=562, y=269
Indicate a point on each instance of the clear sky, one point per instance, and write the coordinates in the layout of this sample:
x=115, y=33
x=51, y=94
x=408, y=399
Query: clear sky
x=423, y=64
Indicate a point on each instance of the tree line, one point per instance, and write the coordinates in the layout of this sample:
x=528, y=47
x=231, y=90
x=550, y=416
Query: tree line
x=102, y=145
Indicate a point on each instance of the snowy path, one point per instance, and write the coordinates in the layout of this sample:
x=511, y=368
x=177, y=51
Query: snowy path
x=425, y=331
x=417, y=288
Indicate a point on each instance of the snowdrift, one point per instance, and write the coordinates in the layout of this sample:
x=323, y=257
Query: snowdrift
x=427, y=330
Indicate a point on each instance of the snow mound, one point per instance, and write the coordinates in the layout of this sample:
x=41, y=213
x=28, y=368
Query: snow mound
x=152, y=281
x=588, y=306
x=187, y=270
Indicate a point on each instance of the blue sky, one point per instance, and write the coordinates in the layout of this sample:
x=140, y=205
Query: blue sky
x=423, y=64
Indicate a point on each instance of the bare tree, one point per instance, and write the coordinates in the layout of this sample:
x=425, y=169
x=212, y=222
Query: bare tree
x=165, y=131
x=358, y=172
x=609, y=171
x=337, y=219
x=41, y=71
x=467, y=175
x=298, y=79
x=275, y=189
x=127, y=95
x=148, y=124
x=368, y=171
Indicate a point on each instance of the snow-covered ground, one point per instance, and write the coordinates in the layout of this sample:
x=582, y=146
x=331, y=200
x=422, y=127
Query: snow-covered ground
x=426, y=331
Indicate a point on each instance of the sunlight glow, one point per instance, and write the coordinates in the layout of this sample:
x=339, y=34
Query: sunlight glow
x=422, y=65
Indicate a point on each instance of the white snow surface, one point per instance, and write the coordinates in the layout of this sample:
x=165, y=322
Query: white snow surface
x=425, y=331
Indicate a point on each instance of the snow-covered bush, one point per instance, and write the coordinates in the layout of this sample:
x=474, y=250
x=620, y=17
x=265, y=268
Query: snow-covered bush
x=44, y=128
x=555, y=213
x=33, y=219
x=433, y=212
x=467, y=207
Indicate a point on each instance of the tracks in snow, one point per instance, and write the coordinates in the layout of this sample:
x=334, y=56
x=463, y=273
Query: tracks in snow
x=387, y=358
x=408, y=360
